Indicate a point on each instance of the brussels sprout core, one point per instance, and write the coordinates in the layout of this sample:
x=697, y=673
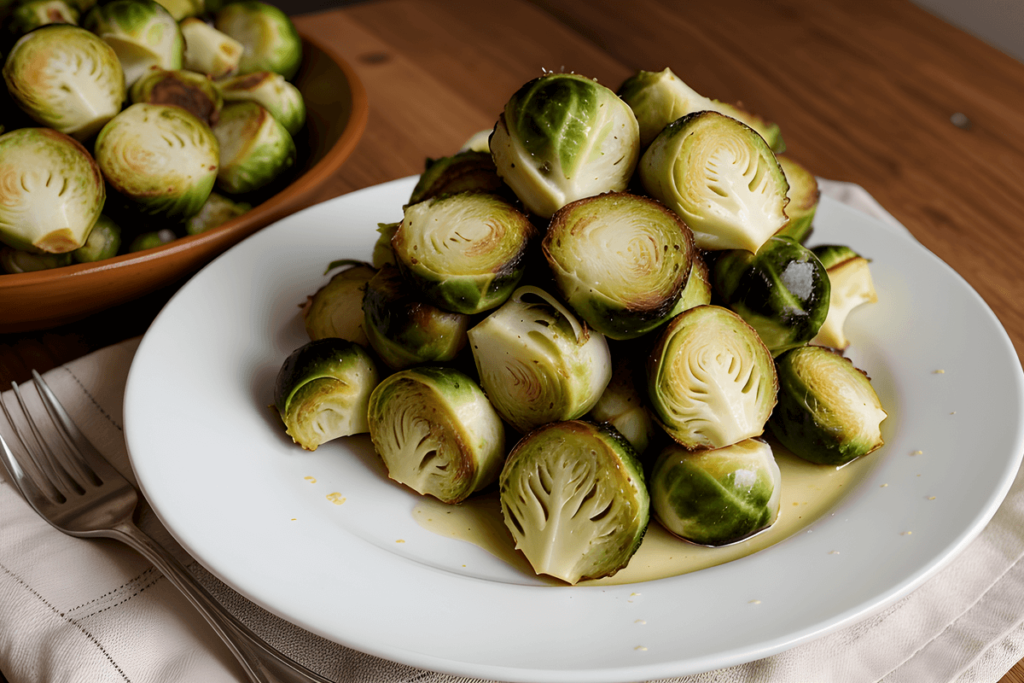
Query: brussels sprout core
x=563, y=137
x=142, y=33
x=710, y=379
x=620, y=260
x=161, y=158
x=537, y=363
x=436, y=432
x=323, y=390
x=720, y=177
x=850, y=285
x=828, y=411
x=718, y=496
x=65, y=78
x=573, y=496
x=51, y=191
x=464, y=251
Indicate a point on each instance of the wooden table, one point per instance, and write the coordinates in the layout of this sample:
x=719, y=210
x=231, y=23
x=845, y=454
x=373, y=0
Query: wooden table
x=864, y=92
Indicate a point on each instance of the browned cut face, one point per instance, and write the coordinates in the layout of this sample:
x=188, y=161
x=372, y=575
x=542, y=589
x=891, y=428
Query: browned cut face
x=177, y=94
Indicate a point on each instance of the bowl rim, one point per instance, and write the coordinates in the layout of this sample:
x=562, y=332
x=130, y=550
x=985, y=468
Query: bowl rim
x=273, y=209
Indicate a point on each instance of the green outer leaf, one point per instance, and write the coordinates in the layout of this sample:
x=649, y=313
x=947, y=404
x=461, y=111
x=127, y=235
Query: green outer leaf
x=575, y=538
x=828, y=412
x=270, y=39
x=464, y=172
x=716, y=497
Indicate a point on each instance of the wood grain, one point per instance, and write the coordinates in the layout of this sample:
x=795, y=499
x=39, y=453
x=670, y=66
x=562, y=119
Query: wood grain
x=863, y=92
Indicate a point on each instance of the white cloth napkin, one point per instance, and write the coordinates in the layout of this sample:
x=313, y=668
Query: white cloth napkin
x=78, y=610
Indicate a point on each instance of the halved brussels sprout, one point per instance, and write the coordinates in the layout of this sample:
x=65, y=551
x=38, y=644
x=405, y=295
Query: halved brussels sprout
x=271, y=91
x=537, y=363
x=828, y=412
x=720, y=177
x=658, y=98
x=620, y=260
x=18, y=261
x=710, y=379
x=142, y=33
x=718, y=496
x=622, y=406
x=323, y=391
x=382, y=253
x=478, y=142
x=103, y=242
x=217, y=211
x=208, y=51
x=336, y=310
x=52, y=191
x=698, y=286
x=463, y=172
x=268, y=35
x=65, y=78
x=782, y=291
x=563, y=137
x=183, y=9
x=254, y=148
x=803, y=199
x=151, y=240
x=405, y=331
x=436, y=432
x=850, y=285
x=465, y=251
x=162, y=159
x=193, y=92
x=573, y=497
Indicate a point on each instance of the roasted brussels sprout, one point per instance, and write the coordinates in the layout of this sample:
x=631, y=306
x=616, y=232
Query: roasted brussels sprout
x=103, y=242
x=828, y=412
x=850, y=285
x=65, y=78
x=573, y=497
x=720, y=177
x=162, y=159
x=465, y=251
x=208, y=51
x=803, y=200
x=217, y=211
x=463, y=172
x=382, y=253
x=271, y=91
x=195, y=93
x=151, y=240
x=53, y=191
x=18, y=261
x=716, y=497
x=336, y=309
x=323, y=391
x=622, y=406
x=563, y=137
x=405, y=331
x=436, y=432
x=142, y=33
x=254, y=148
x=31, y=14
x=710, y=379
x=698, y=287
x=658, y=98
x=537, y=363
x=183, y=9
x=782, y=291
x=268, y=35
x=621, y=261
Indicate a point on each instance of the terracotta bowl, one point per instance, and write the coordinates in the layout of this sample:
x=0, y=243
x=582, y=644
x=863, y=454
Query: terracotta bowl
x=336, y=113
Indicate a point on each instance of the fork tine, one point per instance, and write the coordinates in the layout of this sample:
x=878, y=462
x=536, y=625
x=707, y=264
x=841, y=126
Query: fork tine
x=22, y=480
x=15, y=468
x=75, y=443
x=58, y=474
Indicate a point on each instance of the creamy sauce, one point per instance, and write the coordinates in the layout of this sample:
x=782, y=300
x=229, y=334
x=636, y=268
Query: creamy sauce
x=809, y=491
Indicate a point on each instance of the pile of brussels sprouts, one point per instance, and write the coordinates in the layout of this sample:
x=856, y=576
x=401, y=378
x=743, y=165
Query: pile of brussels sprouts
x=129, y=123
x=600, y=305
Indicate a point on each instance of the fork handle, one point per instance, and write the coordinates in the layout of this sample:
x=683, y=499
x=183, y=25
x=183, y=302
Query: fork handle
x=262, y=663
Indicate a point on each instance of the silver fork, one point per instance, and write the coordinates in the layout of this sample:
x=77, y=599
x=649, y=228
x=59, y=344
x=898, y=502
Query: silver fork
x=77, y=491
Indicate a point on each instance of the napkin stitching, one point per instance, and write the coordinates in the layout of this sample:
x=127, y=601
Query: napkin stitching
x=94, y=401
x=150, y=584
x=111, y=592
x=74, y=623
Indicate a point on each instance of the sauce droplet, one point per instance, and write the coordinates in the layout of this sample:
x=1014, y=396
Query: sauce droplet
x=336, y=498
x=311, y=480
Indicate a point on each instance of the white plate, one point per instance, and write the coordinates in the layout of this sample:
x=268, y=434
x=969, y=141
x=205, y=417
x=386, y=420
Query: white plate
x=215, y=464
